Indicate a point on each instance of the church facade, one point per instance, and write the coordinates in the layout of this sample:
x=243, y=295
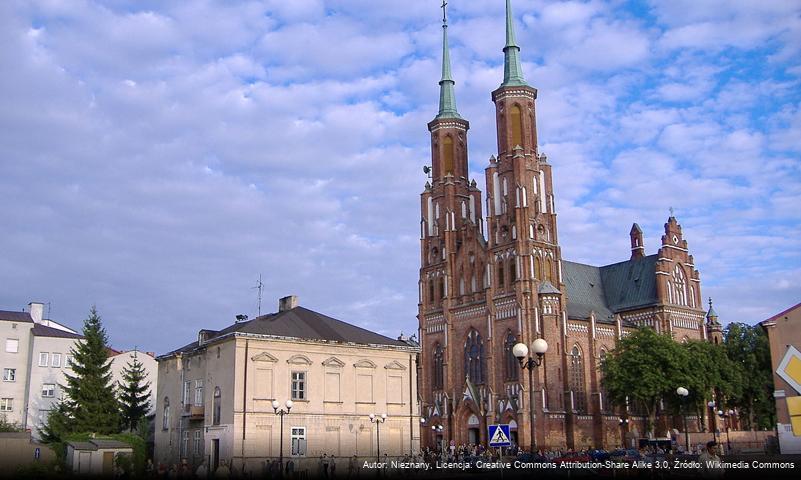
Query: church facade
x=492, y=275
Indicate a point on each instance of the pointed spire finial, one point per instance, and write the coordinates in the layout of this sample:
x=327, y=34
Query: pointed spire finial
x=512, y=72
x=447, y=96
x=671, y=214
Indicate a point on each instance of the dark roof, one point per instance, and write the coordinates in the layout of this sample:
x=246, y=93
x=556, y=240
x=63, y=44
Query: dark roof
x=302, y=323
x=40, y=330
x=585, y=291
x=630, y=284
x=98, y=443
x=547, y=287
x=15, y=316
x=609, y=289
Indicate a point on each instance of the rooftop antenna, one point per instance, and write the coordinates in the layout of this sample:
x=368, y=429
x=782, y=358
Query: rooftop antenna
x=260, y=287
x=49, y=317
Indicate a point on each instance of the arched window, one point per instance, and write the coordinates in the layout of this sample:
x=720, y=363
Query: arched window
x=439, y=367
x=605, y=406
x=447, y=150
x=576, y=379
x=431, y=291
x=474, y=364
x=513, y=269
x=165, y=417
x=501, y=274
x=538, y=268
x=548, y=269
x=441, y=288
x=216, y=406
x=510, y=361
x=517, y=126
x=679, y=286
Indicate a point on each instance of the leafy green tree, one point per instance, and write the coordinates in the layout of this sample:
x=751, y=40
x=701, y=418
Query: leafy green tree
x=710, y=370
x=747, y=347
x=134, y=394
x=645, y=367
x=6, y=426
x=90, y=398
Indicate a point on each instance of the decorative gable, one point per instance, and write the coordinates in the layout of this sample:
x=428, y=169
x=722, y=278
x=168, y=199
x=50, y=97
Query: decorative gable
x=394, y=365
x=264, y=357
x=334, y=362
x=299, y=360
x=364, y=364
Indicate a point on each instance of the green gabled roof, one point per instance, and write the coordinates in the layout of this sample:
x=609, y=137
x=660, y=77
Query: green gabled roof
x=630, y=284
x=609, y=289
x=585, y=291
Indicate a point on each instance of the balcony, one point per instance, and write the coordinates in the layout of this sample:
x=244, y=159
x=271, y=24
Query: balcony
x=194, y=412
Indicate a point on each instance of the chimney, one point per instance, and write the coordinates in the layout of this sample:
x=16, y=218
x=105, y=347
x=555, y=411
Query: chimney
x=287, y=303
x=36, y=309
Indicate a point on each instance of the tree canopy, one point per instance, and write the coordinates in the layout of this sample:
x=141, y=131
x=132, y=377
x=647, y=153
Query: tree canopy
x=134, y=394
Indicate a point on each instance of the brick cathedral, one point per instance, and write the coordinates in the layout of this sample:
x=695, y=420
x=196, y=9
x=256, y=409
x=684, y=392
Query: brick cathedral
x=484, y=290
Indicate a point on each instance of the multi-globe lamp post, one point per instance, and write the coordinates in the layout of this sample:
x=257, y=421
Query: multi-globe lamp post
x=683, y=393
x=711, y=405
x=521, y=351
x=725, y=415
x=378, y=420
x=281, y=412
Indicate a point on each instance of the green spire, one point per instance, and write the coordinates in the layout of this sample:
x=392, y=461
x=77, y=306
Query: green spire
x=512, y=72
x=447, y=97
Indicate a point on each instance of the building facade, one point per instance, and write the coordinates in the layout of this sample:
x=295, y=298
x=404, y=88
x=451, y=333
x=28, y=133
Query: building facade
x=491, y=280
x=35, y=359
x=784, y=337
x=215, y=395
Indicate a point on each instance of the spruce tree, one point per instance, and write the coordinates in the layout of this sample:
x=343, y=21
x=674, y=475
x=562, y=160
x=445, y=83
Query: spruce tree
x=90, y=398
x=59, y=424
x=134, y=394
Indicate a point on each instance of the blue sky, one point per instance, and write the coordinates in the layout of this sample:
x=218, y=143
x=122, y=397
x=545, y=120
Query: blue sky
x=157, y=156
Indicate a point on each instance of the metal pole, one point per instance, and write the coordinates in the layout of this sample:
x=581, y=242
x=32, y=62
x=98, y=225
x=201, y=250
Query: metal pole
x=281, y=444
x=531, y=405
x=686, y=433
x=378, y=440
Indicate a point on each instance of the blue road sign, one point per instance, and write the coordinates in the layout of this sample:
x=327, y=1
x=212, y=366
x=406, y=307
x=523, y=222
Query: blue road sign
x=499, y=436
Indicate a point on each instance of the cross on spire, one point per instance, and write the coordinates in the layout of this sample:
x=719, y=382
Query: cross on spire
x=444, y=16
x=671, y=211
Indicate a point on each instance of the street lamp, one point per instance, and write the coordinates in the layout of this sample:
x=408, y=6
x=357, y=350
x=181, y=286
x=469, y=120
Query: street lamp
x=711, y=405
x=281, y=412
x=437, y=429
x=624, y=426
x=520, y=350
x=683, y=393
x=725, y=416
x=378, y=421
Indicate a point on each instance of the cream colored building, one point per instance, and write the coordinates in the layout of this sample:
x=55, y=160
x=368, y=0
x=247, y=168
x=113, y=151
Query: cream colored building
x=215, y=395
x=121, y=360
x=784, y=337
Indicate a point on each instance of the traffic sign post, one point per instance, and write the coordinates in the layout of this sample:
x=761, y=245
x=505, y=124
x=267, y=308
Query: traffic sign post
x=499, y=435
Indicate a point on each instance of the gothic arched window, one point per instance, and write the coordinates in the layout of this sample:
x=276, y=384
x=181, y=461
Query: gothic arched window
x=447, y=147
x=517, y=126
x=510, y=361
x=538, y=268
x=474, y=364
x=606, y=407
x=679, y=286
x=548, y=269
x=438, y=373
x=501, y=274
x=576, y=379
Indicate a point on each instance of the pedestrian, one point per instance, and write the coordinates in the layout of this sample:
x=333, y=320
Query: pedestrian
x=202, y=472
x=710, y=461
x=332, y=466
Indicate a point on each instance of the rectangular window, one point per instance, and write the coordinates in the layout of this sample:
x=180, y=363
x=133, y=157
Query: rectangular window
x=6, y=404
x=187, y=390
x=49, y=390
x=44, y=358
x=12, y=345
x=185, y=443
x=299, y=386
x=196, y=443
x=198, y=393
x=68, y=361
x=9, y=374
x=55, y=360
x=298, y=439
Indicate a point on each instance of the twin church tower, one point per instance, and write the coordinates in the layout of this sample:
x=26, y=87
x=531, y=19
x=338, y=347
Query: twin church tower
x=489, y=281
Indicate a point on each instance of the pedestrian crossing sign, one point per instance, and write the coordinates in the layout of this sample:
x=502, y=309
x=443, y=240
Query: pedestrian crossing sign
x=499, y=436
